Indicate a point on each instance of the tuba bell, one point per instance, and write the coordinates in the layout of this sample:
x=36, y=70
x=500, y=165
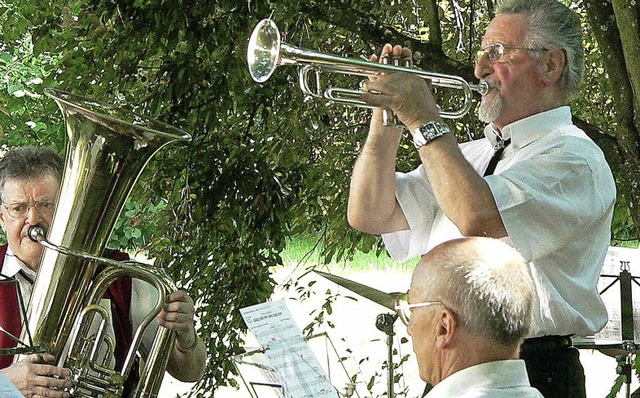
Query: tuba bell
x=107, y=149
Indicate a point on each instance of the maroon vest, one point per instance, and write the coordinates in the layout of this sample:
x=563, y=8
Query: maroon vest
x=9, y=313
x=119, y=293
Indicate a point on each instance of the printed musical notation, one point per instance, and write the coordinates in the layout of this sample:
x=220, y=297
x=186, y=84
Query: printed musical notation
x=293, y=361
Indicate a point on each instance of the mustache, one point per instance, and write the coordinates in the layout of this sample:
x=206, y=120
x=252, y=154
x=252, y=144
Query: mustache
x=493, y=84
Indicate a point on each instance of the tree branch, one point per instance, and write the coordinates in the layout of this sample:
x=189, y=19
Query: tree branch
x=604, y=27
x=428, y=55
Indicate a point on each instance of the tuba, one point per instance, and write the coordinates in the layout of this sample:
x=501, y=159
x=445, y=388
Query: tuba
x=107, y=149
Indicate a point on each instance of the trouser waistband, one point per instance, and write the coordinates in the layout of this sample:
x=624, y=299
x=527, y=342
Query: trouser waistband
x=545, y=343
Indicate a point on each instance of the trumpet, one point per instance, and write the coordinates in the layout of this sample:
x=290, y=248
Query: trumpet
x=266, y=51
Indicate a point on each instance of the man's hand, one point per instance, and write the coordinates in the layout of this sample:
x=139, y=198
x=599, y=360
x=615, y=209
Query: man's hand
x=177, y=314
x=406, y=94
x=35, y=377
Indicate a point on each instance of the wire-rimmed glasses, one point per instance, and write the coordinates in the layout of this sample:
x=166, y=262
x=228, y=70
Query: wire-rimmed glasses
x=20, y=209
x=403, y=308
x=496, y=51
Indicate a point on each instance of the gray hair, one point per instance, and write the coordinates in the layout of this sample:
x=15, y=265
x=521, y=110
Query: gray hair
x=486, y=283
x=552, y=25
x=28, y=163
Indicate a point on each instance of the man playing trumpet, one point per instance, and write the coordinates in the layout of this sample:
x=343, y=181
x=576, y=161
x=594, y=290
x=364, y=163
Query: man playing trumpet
x=535, y=179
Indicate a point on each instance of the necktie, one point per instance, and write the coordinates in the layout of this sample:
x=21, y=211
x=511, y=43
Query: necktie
x=497, y=154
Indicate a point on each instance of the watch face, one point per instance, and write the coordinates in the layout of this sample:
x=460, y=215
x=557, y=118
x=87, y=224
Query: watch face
x=428, y=132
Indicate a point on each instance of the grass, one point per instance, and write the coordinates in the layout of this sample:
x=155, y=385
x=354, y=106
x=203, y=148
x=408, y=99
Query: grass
x=306, y=251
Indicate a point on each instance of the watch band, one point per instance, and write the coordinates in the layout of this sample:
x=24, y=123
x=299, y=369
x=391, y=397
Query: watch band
x=429, y=132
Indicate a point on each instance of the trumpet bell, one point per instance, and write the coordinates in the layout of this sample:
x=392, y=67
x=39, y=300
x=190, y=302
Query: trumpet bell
x=263, y=52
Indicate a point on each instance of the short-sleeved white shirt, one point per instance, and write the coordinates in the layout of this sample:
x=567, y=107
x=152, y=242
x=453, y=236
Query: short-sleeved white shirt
x=555, y=193
x=498, y=379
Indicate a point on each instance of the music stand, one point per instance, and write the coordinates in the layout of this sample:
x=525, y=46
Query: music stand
x=626, y=312
x=384, y=321
x=257, y=373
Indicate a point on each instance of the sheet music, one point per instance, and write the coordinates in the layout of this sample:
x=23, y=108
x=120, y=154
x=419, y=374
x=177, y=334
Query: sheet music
x=293, y=361
x=612, y=332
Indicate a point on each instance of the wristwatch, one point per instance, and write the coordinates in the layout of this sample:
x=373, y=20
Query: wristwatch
x=429, y=132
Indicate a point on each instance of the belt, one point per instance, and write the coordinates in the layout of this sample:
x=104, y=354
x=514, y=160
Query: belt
x=545, y=343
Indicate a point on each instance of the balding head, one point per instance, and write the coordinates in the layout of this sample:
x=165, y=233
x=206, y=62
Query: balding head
x=484, y=281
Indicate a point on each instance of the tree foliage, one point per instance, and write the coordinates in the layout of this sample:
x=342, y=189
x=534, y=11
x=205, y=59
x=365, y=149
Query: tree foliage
x=264, y=163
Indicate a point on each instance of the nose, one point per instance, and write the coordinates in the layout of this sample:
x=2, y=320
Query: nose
x=483, y=67
x=33, y=216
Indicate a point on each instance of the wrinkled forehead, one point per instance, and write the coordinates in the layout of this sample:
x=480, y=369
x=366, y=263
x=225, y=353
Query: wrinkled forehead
x=508, y=29
x=20, y=189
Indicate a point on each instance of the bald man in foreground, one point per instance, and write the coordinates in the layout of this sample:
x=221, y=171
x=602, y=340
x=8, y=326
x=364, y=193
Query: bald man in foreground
x=467, y=311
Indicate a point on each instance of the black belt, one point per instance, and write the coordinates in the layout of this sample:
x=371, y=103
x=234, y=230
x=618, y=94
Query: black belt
x=545, y=343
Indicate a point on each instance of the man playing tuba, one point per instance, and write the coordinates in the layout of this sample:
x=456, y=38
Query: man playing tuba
x=30, y=178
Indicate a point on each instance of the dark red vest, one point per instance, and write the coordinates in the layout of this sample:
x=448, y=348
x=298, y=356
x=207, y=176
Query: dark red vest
x=119, y=293
x=9, y=313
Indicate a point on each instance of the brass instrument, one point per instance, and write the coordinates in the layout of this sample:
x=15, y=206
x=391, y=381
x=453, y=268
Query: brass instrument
x=266, y=51
x=107, y=149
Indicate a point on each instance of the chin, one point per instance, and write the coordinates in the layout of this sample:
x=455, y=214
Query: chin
x=30, y=253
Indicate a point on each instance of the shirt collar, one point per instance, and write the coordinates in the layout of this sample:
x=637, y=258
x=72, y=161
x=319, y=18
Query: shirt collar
x=488, y=376
x=525, y=131
x=12, y=265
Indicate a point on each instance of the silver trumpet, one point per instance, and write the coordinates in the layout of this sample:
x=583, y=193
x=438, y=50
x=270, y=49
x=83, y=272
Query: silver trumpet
x=266, y=51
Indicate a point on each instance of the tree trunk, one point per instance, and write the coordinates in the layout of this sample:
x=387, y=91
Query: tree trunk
x=616, y=26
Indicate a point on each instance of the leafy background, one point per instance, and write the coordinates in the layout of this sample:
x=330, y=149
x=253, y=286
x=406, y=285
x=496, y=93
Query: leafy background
x=264, y=163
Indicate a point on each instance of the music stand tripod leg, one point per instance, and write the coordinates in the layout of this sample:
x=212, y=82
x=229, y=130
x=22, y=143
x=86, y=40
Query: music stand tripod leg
x=384, y=323
x=628, y=333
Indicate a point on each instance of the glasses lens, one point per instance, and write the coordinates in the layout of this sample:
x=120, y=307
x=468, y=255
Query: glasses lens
x=402, y=308
x=17, y=209
x=496, y=51
x=44, y=207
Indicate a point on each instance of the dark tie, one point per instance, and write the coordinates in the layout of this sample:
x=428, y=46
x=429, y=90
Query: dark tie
x=497, y=154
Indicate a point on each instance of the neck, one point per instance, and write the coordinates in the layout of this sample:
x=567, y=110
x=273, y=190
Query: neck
x=471, y=351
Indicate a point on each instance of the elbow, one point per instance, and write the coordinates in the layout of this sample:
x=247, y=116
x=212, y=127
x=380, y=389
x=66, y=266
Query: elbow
x=188, y=374
x=358, y=221
x=486, y=227
x=363, y=222
x=367, y=223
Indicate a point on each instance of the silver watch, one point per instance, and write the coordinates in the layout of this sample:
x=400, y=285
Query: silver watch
x=429, y=132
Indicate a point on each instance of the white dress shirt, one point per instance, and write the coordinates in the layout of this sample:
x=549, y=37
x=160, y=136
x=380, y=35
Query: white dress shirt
x=498, y=379
x=555, y=193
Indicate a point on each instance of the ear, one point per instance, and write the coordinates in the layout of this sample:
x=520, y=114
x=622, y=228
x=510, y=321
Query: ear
x=447, y=327
x=554, y=64
x=2, y=219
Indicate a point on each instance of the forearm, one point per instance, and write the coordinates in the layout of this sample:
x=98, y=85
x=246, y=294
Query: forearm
x=372, y=205
x=187, y=366
x=462, y=194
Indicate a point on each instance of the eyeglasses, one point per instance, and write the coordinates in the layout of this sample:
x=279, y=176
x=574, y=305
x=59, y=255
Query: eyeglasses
x=19, y=209
x=403, y=308
x=496, y=51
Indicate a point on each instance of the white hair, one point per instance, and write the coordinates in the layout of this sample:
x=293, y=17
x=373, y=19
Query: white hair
x=552, y=25
x=486, y=282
